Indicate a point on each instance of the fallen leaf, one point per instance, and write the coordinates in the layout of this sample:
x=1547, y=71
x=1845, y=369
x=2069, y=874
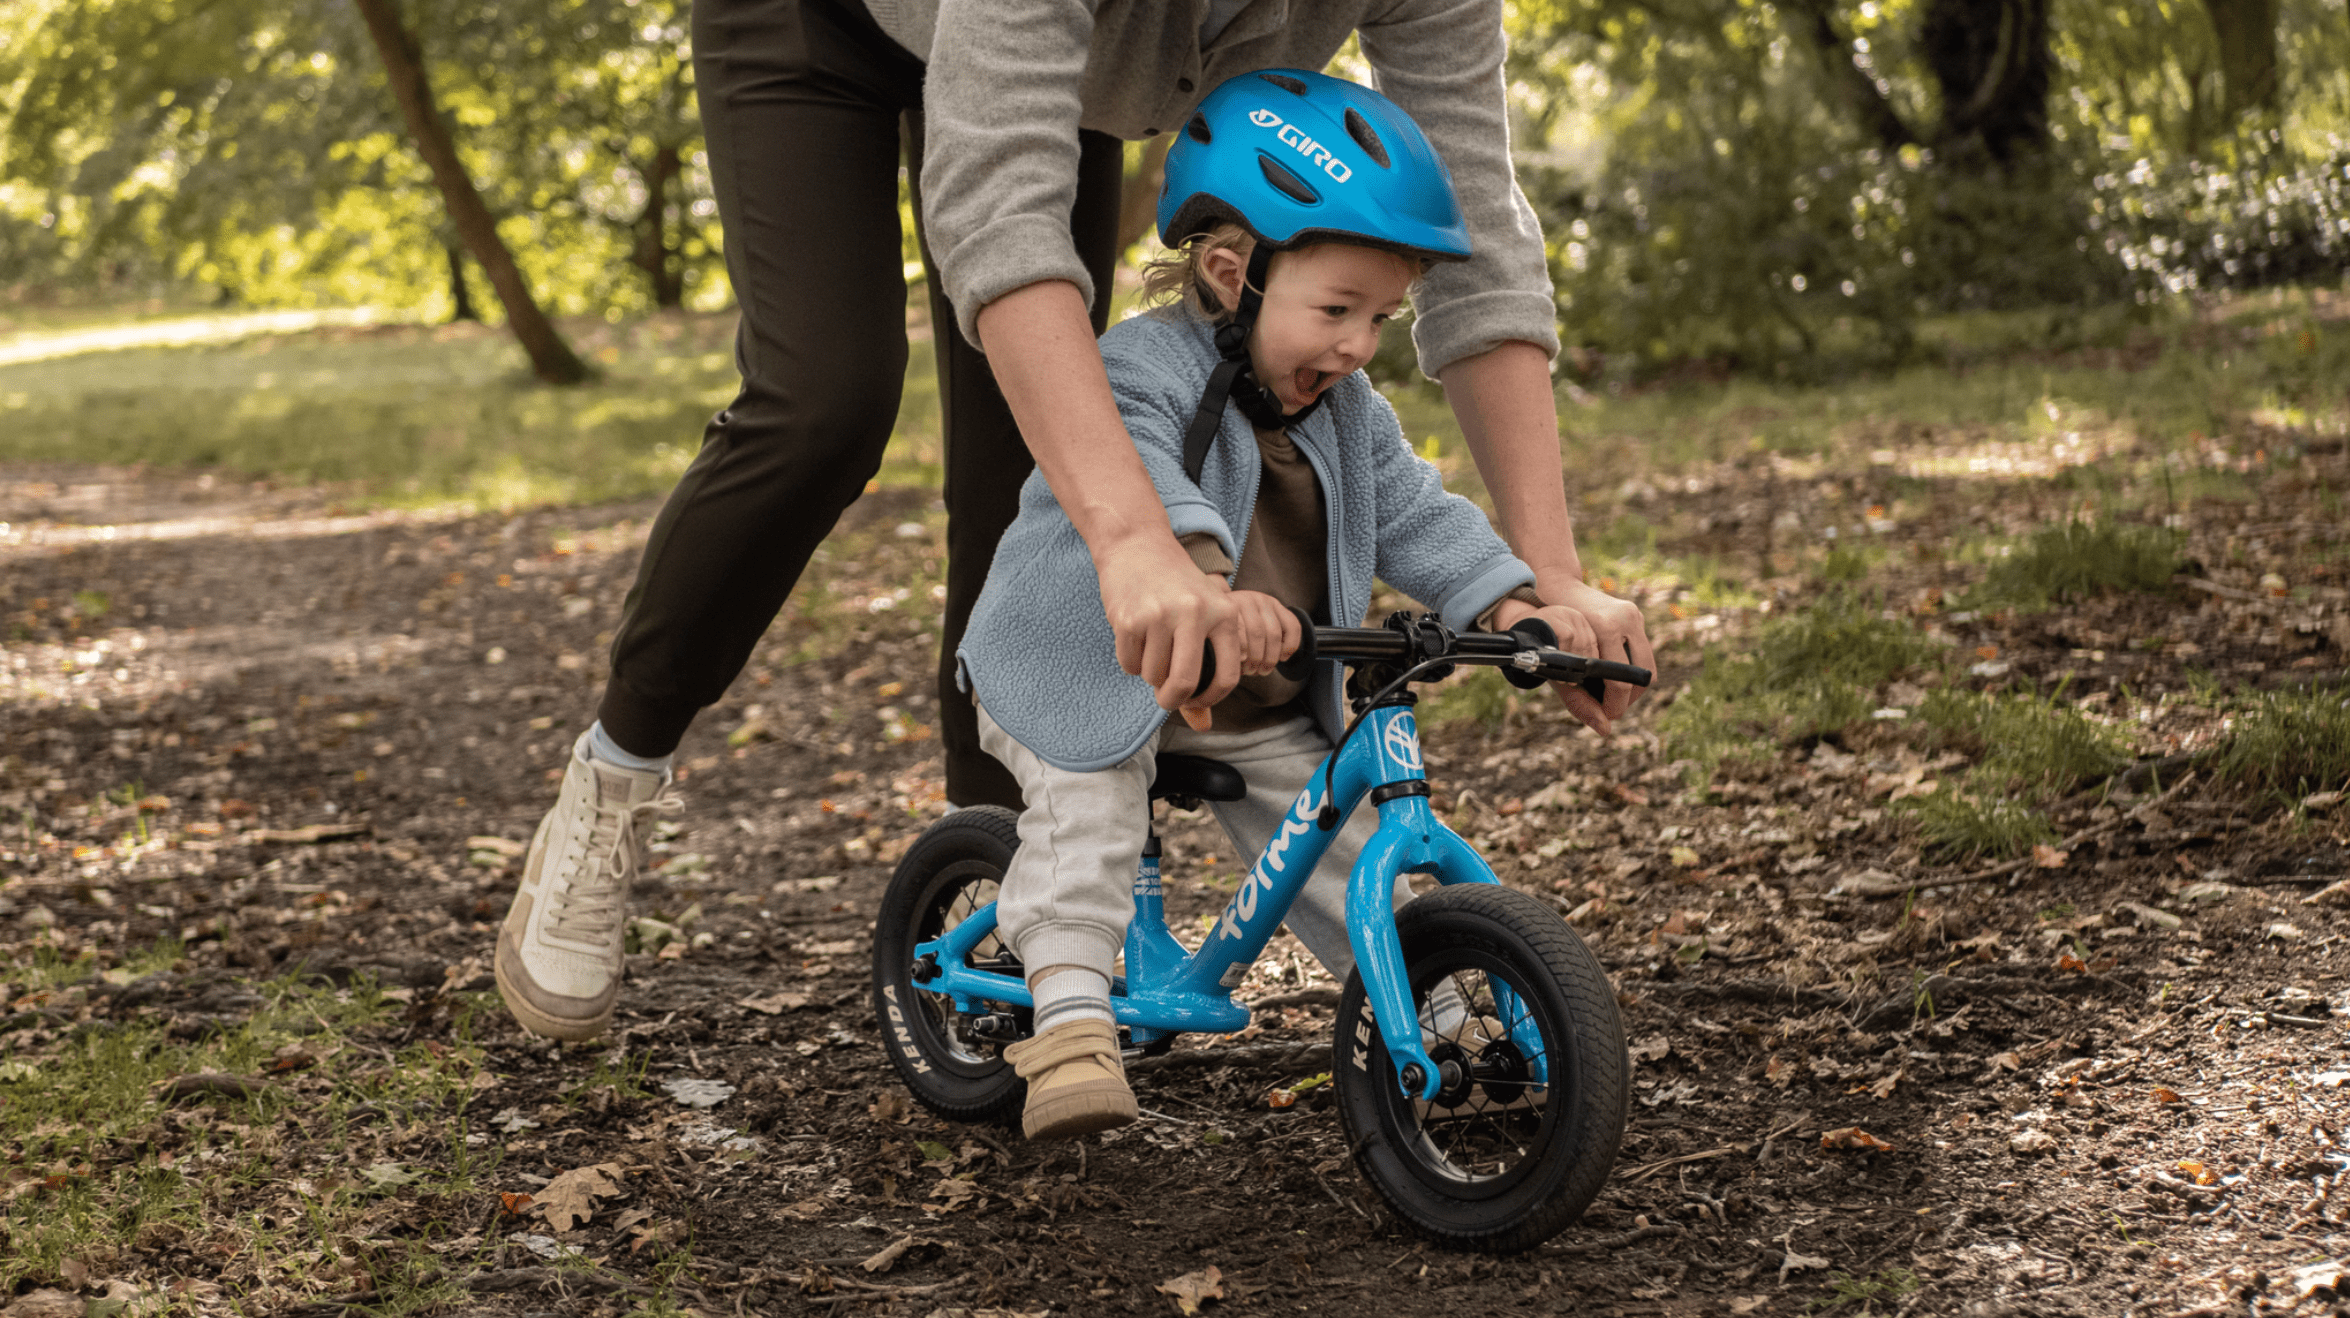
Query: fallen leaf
x=1853, y=1137
x=2311, y=1278
x=2031, y=1140
x=889, y=1106
x=2166, y=1094
x=888, y=1255
x=570, y=1199
x=1280, y=1098
x=1884, y=1088
x=933, y=1151
x=2007, y=1061
x=514, y=1205
x=2199, y=1173
x=1795, y=1262
x=775, y=1003
x=2067, y=961
x=2049, y=858
x=1628, y=795
x=1654, y=1048
x=386, y=1175
x=1683, y=857
x=695, y=1092
x=1193, y=1289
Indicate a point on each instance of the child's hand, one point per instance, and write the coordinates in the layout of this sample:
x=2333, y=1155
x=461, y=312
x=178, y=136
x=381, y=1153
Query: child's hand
x=1268, y=635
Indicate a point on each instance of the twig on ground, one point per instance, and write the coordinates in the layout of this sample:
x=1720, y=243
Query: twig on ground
x=1606, y=1243
x=1900, y=886
x=1305, y=1053
x=861, y=1292
x=210, y=1082
x=1642, y=1173
x=1305, y=997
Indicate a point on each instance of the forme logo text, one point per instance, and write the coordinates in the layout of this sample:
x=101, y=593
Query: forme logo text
x=1338, y=170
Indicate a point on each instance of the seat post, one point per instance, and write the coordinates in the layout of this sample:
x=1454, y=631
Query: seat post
x=1150, y=907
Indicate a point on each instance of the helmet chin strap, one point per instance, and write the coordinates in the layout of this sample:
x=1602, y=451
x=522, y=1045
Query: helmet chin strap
x=1232, y=380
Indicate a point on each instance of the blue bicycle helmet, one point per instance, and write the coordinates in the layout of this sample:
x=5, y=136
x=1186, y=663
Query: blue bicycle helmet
x=1298, y=158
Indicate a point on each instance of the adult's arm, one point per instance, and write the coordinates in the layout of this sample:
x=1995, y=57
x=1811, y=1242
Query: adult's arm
x=1161, y=607
x=1001, y=98
x=1509, y=416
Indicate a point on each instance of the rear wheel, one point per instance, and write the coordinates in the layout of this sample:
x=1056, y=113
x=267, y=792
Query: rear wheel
x=952, y=870
x=1525, y=1128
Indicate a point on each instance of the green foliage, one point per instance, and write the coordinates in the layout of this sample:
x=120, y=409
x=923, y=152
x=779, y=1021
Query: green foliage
x=2074, y=559
x=1809, y=674
x=1845, y=1289
x=1478, y=695
x=411, y=415
x=2291, y=743
x=1959, y=825
x=250, y=147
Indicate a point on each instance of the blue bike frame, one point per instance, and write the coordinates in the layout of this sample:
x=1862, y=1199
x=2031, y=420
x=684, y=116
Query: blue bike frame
x=1169, y=991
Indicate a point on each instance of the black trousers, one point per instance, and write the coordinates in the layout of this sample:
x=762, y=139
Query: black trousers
x=802, y=105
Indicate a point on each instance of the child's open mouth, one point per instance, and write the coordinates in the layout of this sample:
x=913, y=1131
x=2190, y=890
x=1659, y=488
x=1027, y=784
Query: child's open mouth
x=1309, y=382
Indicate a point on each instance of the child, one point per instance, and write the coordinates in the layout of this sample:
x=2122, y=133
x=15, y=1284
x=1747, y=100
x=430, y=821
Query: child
x=1301, y=209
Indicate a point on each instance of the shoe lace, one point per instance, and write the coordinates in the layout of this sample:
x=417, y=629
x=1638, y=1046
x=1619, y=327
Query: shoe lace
x=590, y=906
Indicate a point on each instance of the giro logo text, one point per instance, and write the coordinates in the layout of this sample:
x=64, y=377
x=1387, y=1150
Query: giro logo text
x=1295, y=138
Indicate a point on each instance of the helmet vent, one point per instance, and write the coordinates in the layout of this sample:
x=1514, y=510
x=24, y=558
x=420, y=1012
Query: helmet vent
x=1285, y=83
x=1359, y=128
x=1198, y=128
x=1287, y=182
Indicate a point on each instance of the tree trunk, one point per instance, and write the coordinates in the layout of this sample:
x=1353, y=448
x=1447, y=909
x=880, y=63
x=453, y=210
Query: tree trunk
x=1855, y=84
x=2247, y=32
x=458, y=292
x=1991, y=59
x=654, y=254
x=1138, y=204
x=551, y=359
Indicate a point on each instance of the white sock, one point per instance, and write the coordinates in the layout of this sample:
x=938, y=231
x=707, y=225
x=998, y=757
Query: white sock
x=1070, y=993
x=601, y=746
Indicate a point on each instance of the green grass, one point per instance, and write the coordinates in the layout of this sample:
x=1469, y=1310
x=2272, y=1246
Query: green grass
x=2027, y=743
x=2291, y=744
x=1868, y=1292
x=1956, y=824
x=1809, y=674
x=83, y=1111
x=413, y=415
x=1478, y=695
x=2075, y=559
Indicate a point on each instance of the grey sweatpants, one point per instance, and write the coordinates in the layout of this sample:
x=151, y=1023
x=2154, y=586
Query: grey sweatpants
x=1069, y=893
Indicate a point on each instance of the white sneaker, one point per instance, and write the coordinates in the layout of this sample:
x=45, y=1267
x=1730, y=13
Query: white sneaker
x=559, y=953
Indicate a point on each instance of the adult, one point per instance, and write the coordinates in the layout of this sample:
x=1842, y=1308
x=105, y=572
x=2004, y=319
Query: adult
x=1015, y=112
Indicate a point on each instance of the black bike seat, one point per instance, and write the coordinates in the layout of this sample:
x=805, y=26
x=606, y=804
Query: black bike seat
x=1197, y=778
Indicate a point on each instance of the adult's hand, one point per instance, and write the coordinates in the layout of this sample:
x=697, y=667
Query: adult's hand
x=1164, y=611
x=1162, y=608
x=1600, y=626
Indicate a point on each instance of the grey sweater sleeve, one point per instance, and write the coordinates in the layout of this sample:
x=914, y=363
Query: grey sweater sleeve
x=1001, y=99
x=1441, y=60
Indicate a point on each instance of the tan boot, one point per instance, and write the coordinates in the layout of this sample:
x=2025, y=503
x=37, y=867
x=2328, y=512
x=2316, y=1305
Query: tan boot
x=1076, y=1082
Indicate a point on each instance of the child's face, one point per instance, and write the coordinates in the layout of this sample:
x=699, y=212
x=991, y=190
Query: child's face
x=1322, y=312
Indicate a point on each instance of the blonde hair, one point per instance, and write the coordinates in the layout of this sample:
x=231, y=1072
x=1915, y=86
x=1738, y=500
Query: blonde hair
x=1175, y=274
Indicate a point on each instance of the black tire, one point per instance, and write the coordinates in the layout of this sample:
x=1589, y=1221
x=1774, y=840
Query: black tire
x=953, y=869
x=1497, y=1165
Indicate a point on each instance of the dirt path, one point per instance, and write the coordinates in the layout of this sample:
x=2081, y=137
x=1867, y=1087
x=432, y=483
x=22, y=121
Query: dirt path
x=2110, y=1088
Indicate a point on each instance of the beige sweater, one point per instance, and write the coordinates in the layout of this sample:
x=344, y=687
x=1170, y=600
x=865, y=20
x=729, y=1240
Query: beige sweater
x=1011, y=81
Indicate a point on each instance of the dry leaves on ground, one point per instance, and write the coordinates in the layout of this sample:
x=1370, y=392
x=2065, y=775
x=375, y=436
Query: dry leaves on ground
x=570, y=1199
x=1193, y=1289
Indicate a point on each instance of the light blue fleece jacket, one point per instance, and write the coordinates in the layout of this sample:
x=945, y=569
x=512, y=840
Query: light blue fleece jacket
x=1039, y=652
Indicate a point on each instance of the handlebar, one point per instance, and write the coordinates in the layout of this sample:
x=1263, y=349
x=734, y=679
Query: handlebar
x=1526, y=654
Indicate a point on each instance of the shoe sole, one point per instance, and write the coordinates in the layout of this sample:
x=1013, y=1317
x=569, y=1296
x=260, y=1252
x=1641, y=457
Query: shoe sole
x=539, y=1022
x=1080, y=1109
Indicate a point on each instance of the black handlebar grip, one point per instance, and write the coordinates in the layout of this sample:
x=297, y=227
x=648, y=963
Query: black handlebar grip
x=1300, y=664
x=1207, y=670
x=1629, y=674
x=1536, y=633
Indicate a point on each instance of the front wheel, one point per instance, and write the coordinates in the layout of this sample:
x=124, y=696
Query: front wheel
x=952, y=870
x=1520, y=1019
